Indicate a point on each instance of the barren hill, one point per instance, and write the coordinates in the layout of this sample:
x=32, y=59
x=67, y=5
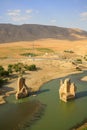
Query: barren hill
x=30, y=32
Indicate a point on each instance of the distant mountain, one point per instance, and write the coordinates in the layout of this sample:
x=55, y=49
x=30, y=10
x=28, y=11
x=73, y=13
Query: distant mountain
x=29, y=32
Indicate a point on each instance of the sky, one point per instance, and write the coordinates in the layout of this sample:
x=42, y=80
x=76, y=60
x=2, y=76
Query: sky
x=62, y=13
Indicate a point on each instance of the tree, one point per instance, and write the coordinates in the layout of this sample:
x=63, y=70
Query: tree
x=19, y=67
x=3, y=72
x=10, y=68
x=31, y=67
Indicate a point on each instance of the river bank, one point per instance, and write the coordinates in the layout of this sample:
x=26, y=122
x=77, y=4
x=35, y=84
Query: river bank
x=47, y=71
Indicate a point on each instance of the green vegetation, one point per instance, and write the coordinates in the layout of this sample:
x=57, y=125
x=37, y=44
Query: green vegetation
x=45, y=50
x=68, y=51
x=29, y=54
x=78, y=68
x=20, y=68
x=25, y=48
x=3, y=72
x=2, y=81
x=78, y=61
x=85, y=57
x=41, y=50
x=31, y=67
x=3, y=75
x=10, y=68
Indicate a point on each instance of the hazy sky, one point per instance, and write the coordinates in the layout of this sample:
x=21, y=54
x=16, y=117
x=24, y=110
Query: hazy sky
x=65, y=13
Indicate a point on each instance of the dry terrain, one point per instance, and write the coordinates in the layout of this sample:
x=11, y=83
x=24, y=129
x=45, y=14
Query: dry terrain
x=9, y=50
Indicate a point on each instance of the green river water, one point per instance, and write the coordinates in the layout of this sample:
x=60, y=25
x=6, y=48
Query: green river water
x=45, y=111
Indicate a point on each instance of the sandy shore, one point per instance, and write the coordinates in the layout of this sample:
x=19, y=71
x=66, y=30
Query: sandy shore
x=84, y=78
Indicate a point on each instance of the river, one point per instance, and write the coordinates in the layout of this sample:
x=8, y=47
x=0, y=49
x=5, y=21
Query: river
x=46, y=111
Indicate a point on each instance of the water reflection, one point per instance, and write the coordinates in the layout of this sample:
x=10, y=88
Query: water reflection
x=20, y=115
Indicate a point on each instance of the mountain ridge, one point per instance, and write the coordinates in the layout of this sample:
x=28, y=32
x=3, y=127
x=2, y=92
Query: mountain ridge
x=30, y=32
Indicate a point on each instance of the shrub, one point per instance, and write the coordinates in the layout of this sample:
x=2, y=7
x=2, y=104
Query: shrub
x=79, y=61
x=68, y=51
x=3, y=81
x=1, y=68
x=3, y=72
x=85, y=57
x=48, y=50
x=19, y=67
x=28, y=54
x=31, y=67
x=78, y=68
x=10, y=68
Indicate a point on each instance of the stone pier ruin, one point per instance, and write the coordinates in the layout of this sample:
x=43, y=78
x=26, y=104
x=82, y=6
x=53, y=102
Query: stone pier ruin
x=67, y=90
x=23, y=90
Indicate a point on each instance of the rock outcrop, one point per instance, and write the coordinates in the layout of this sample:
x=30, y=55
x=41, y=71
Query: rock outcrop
x=23, y=90
x=67, y=90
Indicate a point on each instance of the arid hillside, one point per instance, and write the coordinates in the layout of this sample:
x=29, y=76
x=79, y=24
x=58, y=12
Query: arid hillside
x=32, y=32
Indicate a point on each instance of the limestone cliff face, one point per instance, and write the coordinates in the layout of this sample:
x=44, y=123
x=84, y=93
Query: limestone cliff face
x=67, y=90
x=23, y=90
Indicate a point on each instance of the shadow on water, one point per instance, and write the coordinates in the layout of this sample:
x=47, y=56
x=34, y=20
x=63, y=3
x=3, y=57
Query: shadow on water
x=81, y=94
x=6, y=89
x=43, y=91
x=40, y=91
